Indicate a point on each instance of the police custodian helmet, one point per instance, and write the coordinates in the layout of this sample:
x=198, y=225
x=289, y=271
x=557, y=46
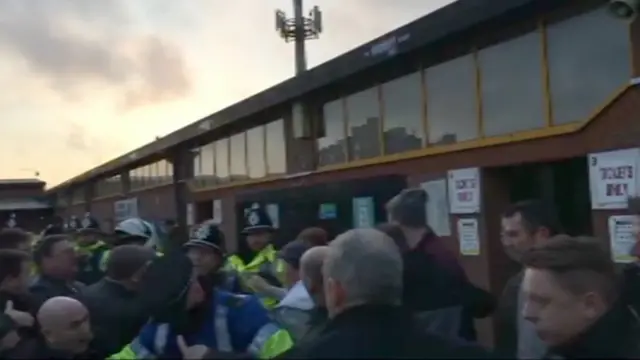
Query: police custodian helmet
x=207, y=235
x=256, y=219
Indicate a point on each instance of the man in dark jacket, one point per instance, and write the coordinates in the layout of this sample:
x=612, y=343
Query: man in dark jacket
x=117, y=315
x=573, y=299
x=55, y=259
x=437, y=288
x=524, y=225
x=14, y=297
x=363, y=290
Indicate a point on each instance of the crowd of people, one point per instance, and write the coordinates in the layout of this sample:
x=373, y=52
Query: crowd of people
x=393, y=291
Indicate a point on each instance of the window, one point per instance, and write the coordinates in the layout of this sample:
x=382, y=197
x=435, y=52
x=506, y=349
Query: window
x=153, y=174
x=197, y=163
x=222, y=159
x=170, y=170
x=363, y=117
x=332, y=147
x=238, y=149
x=452, y=104
x=255, y=153
x=512, y=86
x=276, y=148
x=589, y=59
x=403, y=127
x=208, y=164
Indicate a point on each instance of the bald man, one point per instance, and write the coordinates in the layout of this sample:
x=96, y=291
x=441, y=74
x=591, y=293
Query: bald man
x=311, y=274
x=65, y=327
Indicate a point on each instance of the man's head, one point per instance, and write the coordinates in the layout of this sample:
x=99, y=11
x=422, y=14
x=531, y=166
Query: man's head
x=363, y=266
x=127, y=263
x=568, y=284
x=64, y=323
x=291, y=255
x=314, y=236
x=311, y=264
x=55, y=256
x=525, y=224
x=408, y=209
x=258, y=239
x=15, y=239
x=14, y=271
x=206, y=248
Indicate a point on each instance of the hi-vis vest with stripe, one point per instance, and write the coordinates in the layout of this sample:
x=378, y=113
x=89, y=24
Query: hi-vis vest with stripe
x=265, y=261
x=238, y=326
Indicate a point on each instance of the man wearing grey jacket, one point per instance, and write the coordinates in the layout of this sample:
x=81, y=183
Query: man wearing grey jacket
x=524, y=224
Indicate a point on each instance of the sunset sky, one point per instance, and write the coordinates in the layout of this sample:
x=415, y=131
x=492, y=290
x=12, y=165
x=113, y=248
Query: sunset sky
x=86, y=81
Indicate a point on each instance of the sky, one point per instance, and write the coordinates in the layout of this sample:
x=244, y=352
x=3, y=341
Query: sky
x=87, y=81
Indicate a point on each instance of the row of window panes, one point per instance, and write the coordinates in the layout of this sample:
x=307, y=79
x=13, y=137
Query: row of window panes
x=110, y=186
x=78, y=196
x=253, y=154
x=155, y=174
x=587, y=59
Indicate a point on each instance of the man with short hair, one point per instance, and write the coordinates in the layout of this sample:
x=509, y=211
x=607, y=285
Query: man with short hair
x=572, y=298
x=66, y=329
x=362, y=276
x=116, y=313
x=55, y=258
x=524, y=224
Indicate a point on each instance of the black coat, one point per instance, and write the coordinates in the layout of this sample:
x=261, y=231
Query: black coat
x=375, y=332
x=117, y=314
x=44, y=288
x=615, y=336
x=22, y=302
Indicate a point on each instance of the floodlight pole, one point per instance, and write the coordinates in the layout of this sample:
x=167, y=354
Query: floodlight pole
x=299, y=29
x=300, y=51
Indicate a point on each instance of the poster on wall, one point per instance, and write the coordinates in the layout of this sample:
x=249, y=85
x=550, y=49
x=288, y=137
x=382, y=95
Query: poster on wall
x=125, y=209
x=191, y=214
x=469, y=237
x=363, y=214
x=437, y=206
x=622, y=237
x=273, y=210
x=613, y=177
x=327, y=211
x=217, y=211
x=464, y=191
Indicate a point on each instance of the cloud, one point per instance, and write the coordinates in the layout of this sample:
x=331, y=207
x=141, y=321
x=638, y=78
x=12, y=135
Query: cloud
x=75, y=44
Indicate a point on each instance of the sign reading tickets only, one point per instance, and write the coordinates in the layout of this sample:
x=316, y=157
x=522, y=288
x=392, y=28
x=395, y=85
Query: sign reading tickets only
x=464, y=191
x=613, y=178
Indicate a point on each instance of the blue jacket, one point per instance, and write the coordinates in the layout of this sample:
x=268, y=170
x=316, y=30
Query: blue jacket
x=239, y=324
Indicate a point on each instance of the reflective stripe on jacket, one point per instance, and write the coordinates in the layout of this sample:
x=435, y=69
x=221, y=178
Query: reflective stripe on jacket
x=265, y=262
x=238, y=326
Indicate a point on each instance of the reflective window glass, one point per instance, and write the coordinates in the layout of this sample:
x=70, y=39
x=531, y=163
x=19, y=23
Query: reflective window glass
x=512, y=85
x=363, y=118
x=256, y=153
x=452, y=104
x=403, y=126
x=276, y=148
x=589, y=59
x=332, y=147
x=207, y=161
x=197, y=162
x=170, y=170
x=238, y=149
x=222, y=159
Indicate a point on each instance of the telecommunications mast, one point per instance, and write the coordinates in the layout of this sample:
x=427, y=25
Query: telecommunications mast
x=299, y=29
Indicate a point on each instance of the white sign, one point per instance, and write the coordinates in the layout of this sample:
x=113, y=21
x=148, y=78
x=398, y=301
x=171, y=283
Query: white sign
x=125, y=209
x=191, y=214
x=464, y=191
x=437, y=206
x=273, y=210
x=622, y=230
x=613, y=177
x=469, y=237
x=217, y=211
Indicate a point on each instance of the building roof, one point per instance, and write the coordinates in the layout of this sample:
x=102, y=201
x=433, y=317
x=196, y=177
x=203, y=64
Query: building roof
x=22, y=182
x=23, y=204
x=447, y=21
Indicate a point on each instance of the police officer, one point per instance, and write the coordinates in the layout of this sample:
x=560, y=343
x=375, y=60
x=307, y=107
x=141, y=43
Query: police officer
x=12, y=221
x=72, y=225
x=91, y=250
x=239, y=325
x=206, y=249
x=262, y=258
